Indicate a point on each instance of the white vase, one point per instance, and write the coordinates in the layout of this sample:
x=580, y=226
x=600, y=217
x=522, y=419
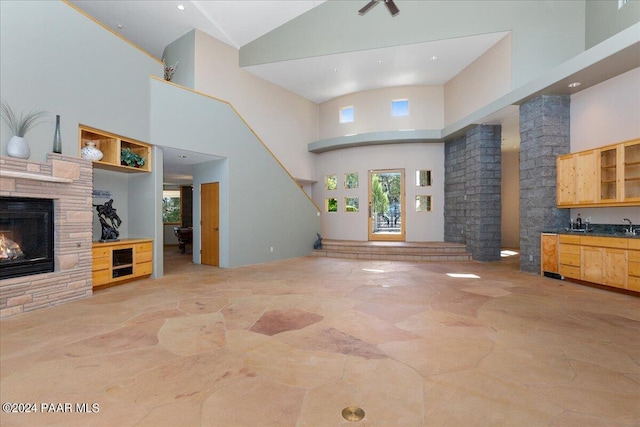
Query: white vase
x=91, y=152
x=18, y=147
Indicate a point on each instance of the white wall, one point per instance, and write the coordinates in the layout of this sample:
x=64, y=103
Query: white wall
x=483, y=81
x=510, y=199
x=372, y=111
x=284, y=121
x=606, y=114
x=420, y=226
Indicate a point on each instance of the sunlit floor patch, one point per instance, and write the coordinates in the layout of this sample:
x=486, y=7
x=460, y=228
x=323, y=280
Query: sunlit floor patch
x=506, y=253
x=463, y=275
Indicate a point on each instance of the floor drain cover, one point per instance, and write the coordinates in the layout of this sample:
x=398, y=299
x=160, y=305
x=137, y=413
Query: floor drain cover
x=352, y=413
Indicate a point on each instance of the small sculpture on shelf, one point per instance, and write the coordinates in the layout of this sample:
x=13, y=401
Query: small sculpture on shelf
x=106, y=212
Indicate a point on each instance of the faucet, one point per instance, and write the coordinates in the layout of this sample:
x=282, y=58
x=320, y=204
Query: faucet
x=630, y=229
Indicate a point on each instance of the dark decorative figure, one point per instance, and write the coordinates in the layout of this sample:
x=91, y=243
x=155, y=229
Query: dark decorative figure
x=318, y=243
x=110, y=231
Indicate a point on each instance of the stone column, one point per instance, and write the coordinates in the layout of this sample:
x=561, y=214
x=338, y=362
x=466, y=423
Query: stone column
x=544, y=134
x=483, y=186
x=472, y=207
x=455, y=164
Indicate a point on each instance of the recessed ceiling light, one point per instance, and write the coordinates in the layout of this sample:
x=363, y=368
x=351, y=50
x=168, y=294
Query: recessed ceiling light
x=181, y=8
x=434, y=58
x=574, y=84
x=335, y=70
x=119, y=26
x=380, y=62
x=182, y=156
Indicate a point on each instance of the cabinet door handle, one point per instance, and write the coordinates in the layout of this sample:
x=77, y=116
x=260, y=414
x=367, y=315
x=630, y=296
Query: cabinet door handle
x=215, y=228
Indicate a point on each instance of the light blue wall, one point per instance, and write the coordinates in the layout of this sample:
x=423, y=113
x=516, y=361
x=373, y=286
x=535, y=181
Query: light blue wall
x=182, y=51
x=604, y=19
x=54, y=58
x=545, y=32
x=260, y=204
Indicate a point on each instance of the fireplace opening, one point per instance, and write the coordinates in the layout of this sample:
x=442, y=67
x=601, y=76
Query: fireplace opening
x=26, y=236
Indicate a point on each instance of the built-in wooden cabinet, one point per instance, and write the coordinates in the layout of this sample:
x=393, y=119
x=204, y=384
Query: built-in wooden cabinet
x=116, y=262
x=549, y=258
x=112, y=146
x=611, y=261
x=606, y=176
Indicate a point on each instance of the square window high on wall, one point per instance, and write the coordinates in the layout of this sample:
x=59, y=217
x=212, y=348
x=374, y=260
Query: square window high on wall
x=400, y=107
x=346, y=114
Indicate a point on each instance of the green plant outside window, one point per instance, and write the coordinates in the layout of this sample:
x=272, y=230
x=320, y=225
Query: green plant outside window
x=171, y=207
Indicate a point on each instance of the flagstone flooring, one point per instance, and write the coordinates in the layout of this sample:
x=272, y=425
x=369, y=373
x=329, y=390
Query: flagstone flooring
x=292, y=343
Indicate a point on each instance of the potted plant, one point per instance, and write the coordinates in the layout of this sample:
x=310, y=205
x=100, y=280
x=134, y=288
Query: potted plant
x=131, y=158
x=20, y=125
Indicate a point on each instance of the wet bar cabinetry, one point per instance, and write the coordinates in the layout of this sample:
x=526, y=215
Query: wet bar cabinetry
x=118, y=262
x=606, y=176
x=610, y=261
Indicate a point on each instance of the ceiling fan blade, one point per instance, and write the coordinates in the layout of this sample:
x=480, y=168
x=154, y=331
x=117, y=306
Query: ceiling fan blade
x=368, y=7
x=393, y=9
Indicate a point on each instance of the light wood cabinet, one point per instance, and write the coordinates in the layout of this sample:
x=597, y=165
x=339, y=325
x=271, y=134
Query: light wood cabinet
x=119, y=262
x=611, y=261
x=586, y=177
x=549, y=259
x=569, y=259
x=566, y=180
x=591, y=264
x=111, y=146
x=606, y=176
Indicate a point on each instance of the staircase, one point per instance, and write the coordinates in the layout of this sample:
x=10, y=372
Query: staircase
x=393, y=251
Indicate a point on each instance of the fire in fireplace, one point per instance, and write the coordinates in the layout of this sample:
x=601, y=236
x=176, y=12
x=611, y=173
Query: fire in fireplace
x=26, y=236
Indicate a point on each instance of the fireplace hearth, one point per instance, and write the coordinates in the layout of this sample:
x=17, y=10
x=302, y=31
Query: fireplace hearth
x=26, y=236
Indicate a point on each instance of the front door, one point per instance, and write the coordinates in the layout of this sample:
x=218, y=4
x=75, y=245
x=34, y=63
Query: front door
x=210, y=215
x=386, y=205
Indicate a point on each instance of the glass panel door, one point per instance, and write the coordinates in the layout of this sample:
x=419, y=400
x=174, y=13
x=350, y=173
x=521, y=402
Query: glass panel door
x=386, y=205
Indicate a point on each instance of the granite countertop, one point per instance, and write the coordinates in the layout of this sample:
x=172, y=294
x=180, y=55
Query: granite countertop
x=597, y=230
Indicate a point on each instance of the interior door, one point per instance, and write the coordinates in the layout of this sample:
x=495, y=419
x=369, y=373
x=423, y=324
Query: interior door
x=210, y=223
x=386, y=205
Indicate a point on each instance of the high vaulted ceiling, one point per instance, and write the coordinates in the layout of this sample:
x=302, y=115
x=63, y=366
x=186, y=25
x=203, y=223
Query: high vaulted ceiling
x=153, y=24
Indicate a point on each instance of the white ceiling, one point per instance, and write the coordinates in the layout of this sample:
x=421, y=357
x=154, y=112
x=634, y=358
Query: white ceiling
x=154, y=24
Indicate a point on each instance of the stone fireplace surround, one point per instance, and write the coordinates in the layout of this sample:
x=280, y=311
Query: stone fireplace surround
x=69, y=182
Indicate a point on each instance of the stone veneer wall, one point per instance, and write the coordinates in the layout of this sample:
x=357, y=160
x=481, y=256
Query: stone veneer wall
x=73, y=212
x=473, y=176
x=544, y=134
x=484, y=192
x=455, y=168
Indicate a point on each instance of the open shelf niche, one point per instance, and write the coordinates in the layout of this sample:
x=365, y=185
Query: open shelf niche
x=111, y=146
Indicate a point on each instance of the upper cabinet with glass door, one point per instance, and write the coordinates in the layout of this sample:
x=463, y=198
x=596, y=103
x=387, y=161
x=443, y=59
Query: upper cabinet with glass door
x=606, y=176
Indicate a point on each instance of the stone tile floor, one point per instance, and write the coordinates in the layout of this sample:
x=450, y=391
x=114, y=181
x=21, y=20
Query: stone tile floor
x=292, y=343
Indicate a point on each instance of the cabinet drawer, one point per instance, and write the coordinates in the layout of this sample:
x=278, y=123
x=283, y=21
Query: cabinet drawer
x=101, y=263
x=634, y=268
x=144, y=247
x=101, y=277
x=144, y=268
x=144, y=256
x=634, y=284
x=570, y=271
x=570, y=249
x=634, y=244
x=605, y=242
x=101, y=252
x=634, y=256
x=570, y=259
x=564, y=238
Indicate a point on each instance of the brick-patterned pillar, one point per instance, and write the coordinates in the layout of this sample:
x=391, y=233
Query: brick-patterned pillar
x=483, y=187
x=472, y=207
x=544, y=134
x=455, y=164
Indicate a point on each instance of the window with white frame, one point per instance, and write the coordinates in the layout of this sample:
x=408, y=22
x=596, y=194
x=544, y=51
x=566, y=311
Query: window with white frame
x=400, y=107
x=346, y=114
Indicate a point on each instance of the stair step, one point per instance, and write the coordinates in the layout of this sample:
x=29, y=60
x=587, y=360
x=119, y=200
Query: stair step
x=393, y=251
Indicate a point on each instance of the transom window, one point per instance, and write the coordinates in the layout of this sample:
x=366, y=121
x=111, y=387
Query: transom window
x=423, y=178
x=346, y=114
x=400, y=107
